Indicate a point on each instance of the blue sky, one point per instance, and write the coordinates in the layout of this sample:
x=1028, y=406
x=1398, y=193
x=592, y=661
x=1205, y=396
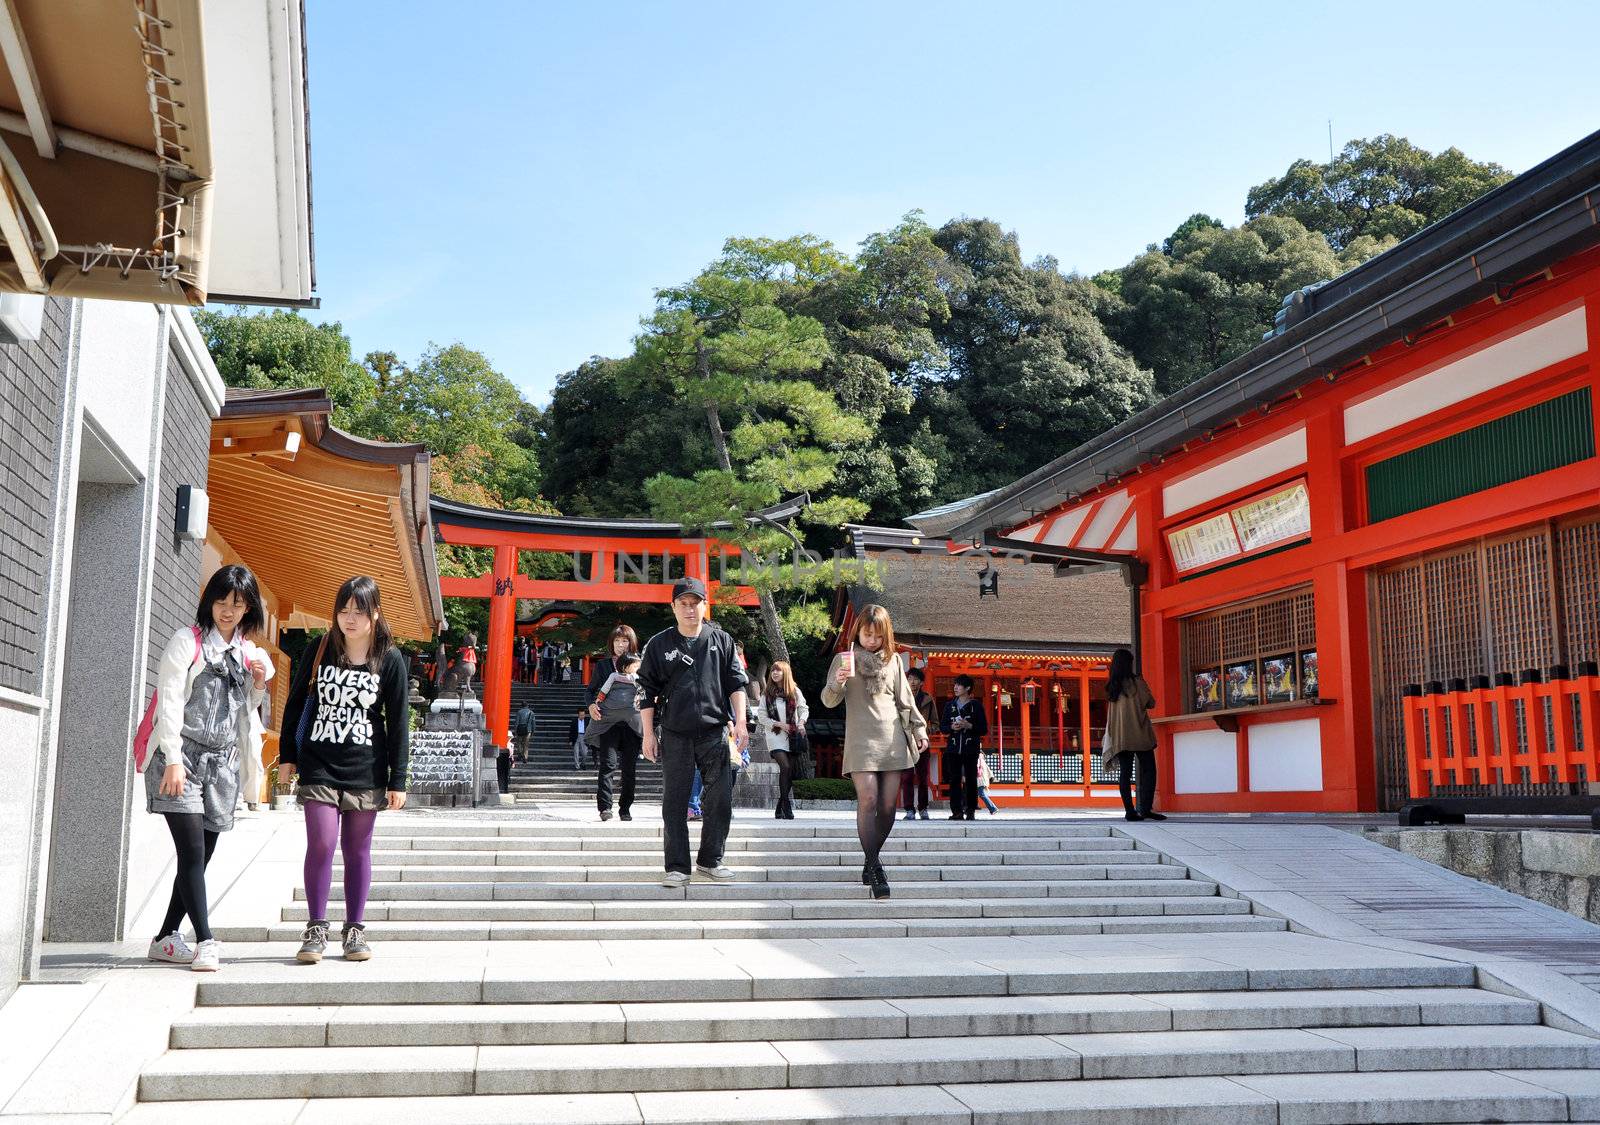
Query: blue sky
x=520, y=176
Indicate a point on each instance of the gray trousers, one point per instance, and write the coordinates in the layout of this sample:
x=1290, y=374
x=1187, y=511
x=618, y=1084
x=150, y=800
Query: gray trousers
x=680, y=756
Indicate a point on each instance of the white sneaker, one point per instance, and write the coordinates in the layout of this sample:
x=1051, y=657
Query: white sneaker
x=172, y=949
x=208, y=957
x=721, y=872
x=674, y=879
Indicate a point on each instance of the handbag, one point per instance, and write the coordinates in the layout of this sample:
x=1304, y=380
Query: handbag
x=147, y=724
x=303, y=728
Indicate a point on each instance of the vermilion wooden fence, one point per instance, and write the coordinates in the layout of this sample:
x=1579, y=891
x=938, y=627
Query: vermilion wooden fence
x=1489, y=733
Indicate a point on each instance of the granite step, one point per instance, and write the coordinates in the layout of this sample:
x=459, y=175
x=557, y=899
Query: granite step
x=333, y=1072
x=744, y=872
x=745, y=857
x=792, y=929
x=697, y=909
x=750, y=888
x=909, y=839
x=402, y=979
x=1287, y=1099
x=748, y=1021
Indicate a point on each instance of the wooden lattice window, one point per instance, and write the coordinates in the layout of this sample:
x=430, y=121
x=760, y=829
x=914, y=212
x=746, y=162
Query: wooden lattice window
x=1259, y=651
x=1578, y=561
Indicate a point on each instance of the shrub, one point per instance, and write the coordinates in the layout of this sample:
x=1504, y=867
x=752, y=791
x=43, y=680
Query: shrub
x=825, y=789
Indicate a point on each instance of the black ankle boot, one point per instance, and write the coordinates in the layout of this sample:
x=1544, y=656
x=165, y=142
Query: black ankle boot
x=880, y=882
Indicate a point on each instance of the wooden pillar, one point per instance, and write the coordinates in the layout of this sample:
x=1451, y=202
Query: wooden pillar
x=1083, y=726
x=497, y=661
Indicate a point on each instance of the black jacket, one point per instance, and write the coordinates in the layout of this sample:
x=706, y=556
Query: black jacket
x=965, y=741
x=599, y=672
x=688, y=680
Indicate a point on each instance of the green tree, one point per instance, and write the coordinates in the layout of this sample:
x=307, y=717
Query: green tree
x=1033, y=372
x=281, y=348
x=1384, y=186
x=1210, y=292
x=724, y=344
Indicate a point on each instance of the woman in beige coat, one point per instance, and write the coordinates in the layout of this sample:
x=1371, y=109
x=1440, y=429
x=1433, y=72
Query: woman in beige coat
x=1130, y=738
x=884, y=732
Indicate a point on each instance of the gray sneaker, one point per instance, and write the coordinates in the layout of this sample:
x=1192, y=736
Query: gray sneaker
x=313, y=943
x=674, y=879
x=355, y=943
x=721, y=872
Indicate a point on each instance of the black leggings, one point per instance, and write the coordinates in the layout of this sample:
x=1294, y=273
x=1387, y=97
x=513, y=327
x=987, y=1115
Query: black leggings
x=194, y=845
x=785, y=764
x=1146, y=773
x=877, y=801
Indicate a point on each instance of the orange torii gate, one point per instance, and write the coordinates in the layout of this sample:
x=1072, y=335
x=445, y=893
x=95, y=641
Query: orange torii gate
x=614, y=560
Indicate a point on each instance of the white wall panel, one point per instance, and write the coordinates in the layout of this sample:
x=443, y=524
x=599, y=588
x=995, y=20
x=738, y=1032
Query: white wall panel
x=1276, y=456
x=1461, y=379
x=1205, y=761
x=1105, y=521
x=1286, y=757
x=117, y=374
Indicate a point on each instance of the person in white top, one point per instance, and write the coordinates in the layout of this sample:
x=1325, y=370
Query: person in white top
x=209, y=688
x=786, y=729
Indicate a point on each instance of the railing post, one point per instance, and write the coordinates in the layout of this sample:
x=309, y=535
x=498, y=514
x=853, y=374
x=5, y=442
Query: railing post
x=1411, y=696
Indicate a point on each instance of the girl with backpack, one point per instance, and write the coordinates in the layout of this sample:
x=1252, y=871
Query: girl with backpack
x=211, y=682
x=347, y=733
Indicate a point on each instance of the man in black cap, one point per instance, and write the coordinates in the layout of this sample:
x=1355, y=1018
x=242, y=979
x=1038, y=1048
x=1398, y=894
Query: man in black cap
x=691, y=673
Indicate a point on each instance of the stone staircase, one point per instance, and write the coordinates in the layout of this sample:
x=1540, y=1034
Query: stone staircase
x=548, y=774
x=1021, y=972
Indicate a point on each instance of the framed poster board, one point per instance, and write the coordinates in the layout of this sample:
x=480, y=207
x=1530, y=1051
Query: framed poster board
x=1261, y=523
x=1308, y=675
x=1241, y=684
x=1207, y=690
x=1278, y=676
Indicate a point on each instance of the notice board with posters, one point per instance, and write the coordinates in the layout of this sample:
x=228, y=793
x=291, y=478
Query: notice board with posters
x=1265, y=521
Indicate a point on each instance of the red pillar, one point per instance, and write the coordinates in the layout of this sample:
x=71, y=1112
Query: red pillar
x=497, y=661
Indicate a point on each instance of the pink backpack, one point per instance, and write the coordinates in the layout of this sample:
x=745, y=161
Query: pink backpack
x=147, y=725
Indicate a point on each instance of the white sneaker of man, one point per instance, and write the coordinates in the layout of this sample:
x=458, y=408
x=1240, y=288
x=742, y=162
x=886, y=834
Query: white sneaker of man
x=721, y=872
x=207, y=957
x=172, y=949
x=674, y=879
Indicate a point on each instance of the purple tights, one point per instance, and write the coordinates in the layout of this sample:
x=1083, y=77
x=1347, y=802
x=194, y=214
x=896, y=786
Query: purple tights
x=326, y=825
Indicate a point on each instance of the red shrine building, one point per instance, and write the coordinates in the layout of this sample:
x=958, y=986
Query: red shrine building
x=1395, y=497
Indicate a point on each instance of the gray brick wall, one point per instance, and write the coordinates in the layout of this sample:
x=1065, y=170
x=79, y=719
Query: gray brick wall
x=32, y=378
x=185, y=452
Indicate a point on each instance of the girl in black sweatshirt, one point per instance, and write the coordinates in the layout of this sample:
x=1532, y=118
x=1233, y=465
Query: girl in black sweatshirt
x=346, y=731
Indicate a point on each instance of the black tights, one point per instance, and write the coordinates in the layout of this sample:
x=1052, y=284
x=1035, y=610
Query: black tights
x=781, y=759
x=877, y=803
x=195, y=846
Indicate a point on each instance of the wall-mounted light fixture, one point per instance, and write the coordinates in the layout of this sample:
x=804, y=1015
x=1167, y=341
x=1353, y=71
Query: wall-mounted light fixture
x=193, y=509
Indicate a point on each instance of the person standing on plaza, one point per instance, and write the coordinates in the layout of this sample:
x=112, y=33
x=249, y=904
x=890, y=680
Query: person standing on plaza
x=965, y=724
x=692, y=675
x=346, y=732
x=914, y=787
x=615, y=729
x=577, y=735
x=884, y=733
x=1130, y=738
x=209, y=685
x=622, y=639
x=786, y=726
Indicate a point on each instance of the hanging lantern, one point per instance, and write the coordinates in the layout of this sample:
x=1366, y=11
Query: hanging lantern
x=1030, y=691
